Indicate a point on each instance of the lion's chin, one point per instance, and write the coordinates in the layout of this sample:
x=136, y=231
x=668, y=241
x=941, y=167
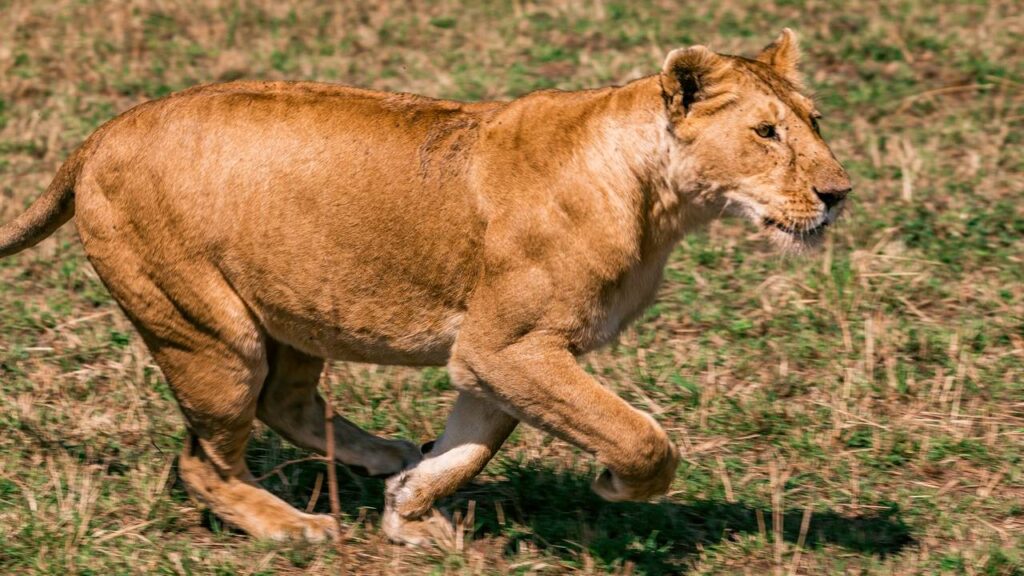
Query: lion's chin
x=795, y=243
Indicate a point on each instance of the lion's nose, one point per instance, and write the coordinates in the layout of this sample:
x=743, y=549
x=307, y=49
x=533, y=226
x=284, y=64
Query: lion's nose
x=832, y=197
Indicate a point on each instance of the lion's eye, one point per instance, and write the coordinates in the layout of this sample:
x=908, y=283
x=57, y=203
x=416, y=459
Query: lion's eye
x=815, y=126
x=766, y=130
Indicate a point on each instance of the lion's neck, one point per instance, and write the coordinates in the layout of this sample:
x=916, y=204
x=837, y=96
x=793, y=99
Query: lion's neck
x=632, y=159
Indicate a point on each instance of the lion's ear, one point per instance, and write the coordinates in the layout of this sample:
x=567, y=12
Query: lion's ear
x=783, y=56
x=692, y=80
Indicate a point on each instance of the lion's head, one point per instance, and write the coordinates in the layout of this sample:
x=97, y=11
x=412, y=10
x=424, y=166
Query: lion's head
x=747, y=131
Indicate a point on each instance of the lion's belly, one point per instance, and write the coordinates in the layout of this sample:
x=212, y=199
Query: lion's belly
x=355, y=300
x=419, y=341
x=350, y=297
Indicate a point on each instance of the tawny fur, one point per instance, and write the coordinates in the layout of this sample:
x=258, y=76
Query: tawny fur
x=250, y=230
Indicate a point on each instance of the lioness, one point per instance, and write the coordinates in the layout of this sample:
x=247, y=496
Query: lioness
x=251, y=230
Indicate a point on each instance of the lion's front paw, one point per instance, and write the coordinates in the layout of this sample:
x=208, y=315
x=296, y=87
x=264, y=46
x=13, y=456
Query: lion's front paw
x=614, y=488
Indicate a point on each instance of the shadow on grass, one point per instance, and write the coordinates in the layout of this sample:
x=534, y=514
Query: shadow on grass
x=557, y=512
x=561, y=513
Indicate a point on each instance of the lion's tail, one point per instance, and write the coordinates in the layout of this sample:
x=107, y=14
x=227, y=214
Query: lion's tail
x=55, y=207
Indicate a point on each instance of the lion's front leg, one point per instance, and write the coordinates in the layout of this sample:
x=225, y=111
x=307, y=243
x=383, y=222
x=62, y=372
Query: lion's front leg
x=475, y=430
x=539, y=381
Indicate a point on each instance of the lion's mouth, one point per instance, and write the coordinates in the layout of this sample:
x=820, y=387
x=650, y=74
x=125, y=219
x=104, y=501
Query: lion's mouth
x=798, y=231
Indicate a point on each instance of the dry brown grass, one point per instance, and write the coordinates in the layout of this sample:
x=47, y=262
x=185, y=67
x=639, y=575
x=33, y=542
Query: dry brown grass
x=861, y=411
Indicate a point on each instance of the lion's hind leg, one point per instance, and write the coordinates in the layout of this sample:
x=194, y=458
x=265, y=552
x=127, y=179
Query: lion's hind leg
x=291, y=405
x=214, y=357
x=218, y=390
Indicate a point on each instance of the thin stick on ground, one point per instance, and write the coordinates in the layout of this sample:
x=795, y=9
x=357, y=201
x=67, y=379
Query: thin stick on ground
x=317, y=486
x=280, y=467
x=801, y=541
x=332, y=472
x=777, y=485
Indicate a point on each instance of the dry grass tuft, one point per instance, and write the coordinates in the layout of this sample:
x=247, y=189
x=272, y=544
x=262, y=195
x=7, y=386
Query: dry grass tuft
x=859, y=411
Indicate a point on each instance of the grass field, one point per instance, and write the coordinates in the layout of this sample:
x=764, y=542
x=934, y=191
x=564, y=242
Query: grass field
x=859, y=411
